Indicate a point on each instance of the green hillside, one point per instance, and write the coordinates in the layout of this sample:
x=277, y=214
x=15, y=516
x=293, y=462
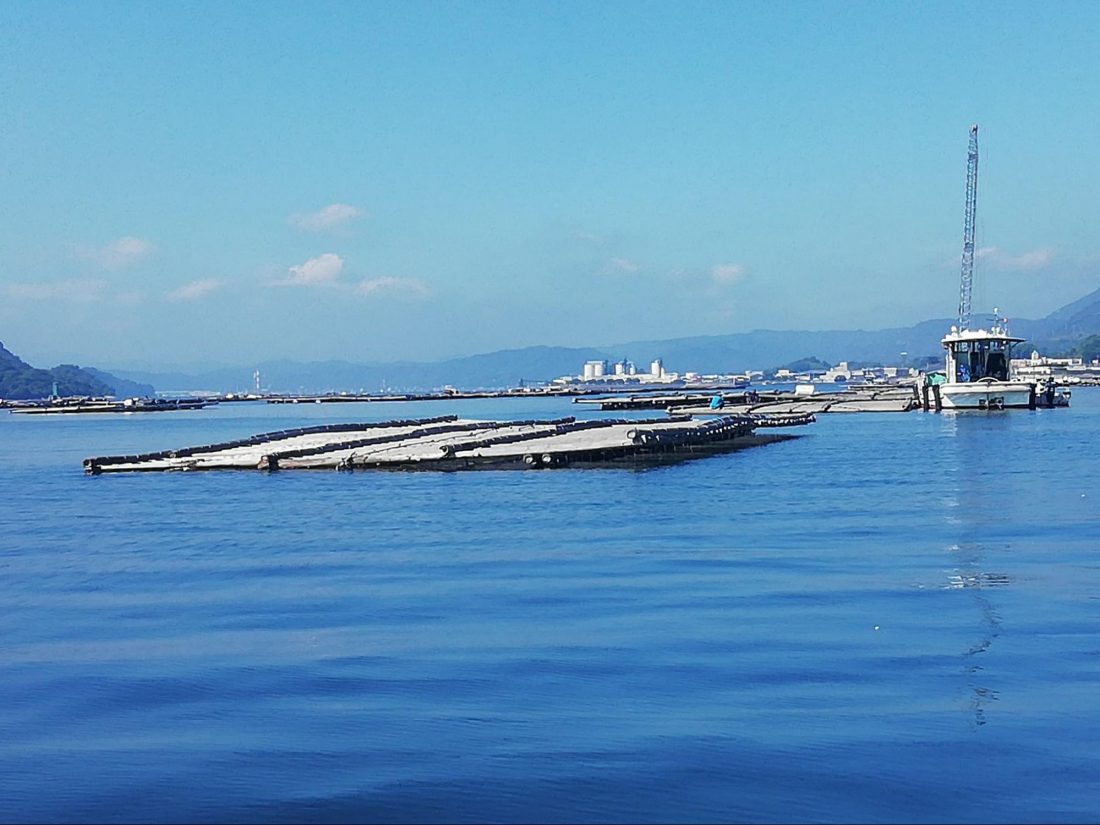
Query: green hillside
x=20, y=381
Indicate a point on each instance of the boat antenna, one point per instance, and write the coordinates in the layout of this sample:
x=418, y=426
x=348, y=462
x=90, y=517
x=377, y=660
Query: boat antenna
x=967, y=280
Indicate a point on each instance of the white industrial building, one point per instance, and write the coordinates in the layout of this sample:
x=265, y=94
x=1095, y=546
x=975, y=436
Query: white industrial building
x=621, y=372
x=1064, y=370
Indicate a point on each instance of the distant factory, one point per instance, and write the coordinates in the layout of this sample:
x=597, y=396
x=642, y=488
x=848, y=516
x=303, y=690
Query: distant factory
x=1062, y=370
x=597, y=371
x=625, y=373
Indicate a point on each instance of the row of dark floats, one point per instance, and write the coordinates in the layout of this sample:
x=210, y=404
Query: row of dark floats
x=450, y=443
x=78, y=406
x=693, y=425
x=88, y=404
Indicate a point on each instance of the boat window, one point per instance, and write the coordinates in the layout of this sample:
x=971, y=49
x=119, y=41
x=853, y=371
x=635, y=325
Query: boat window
x=975, y=360
x=977, y=363
x=997, y=366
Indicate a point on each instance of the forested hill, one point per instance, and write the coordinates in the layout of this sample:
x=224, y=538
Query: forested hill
x=20, y=381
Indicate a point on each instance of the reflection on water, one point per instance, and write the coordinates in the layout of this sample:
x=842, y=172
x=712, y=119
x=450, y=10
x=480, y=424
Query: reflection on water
x=982, y=695
x=958, y=581
x=977, y=498
x=976, y=582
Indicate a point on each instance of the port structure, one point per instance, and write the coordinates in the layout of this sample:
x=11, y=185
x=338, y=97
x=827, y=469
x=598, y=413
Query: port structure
x=967, y=278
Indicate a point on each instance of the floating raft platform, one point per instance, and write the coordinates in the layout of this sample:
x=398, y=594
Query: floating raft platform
x=130, y=405
x=450, y=443
x=884, y=399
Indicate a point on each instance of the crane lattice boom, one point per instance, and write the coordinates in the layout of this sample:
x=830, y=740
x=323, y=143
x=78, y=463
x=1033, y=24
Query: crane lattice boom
x=968, y=230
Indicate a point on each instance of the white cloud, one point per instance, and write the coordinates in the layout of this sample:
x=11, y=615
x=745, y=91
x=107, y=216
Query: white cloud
x=77, y=291
x=727, y=273
x=1036, y=259
x=624, y=265
x=320, y=271
x=195, y=290
x=387, y=284
x=588, y=237
x=333, y=216
x=120, y=254
x=128, y=298
x=1026, y=262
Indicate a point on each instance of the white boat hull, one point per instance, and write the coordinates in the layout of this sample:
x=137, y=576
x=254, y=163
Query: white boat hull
x=987, y=395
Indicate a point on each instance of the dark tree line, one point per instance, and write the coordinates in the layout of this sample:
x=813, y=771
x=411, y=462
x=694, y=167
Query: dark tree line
x=20, y=381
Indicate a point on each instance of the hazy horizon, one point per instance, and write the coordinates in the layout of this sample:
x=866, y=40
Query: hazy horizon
x=385, y=182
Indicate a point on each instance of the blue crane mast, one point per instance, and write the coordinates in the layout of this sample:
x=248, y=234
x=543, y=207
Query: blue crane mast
x=967, y=281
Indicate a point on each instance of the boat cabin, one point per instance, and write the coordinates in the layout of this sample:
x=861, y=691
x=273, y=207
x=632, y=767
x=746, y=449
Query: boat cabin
x=976, y=354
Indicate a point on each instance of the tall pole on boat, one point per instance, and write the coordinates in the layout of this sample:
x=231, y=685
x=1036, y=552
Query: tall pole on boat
x=968, y=230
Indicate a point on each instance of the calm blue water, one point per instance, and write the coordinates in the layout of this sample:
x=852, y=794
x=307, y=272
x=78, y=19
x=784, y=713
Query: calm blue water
x=892, y=618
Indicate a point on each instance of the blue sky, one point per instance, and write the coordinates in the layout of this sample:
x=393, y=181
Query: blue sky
x=210, y=182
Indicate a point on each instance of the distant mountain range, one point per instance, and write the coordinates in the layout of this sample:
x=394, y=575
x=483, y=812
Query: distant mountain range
x=505, y=368
x=20, y=381
x=736, y=352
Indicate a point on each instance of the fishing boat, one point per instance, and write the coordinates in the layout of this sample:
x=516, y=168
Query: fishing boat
x=978, y=361
x=977, y=371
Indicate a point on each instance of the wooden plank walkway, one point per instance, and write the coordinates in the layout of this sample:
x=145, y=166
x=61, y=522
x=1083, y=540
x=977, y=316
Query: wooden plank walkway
x=450, y=443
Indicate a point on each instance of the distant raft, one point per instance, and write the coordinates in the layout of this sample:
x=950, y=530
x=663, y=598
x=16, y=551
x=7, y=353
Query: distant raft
x=864, y=399
x=80, y=406
x=450, y=443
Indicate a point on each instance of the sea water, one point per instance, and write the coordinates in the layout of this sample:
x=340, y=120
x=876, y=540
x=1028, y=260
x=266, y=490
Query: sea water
x=893, y=617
